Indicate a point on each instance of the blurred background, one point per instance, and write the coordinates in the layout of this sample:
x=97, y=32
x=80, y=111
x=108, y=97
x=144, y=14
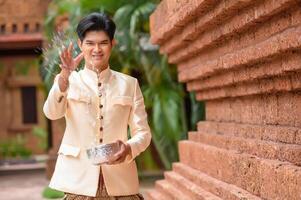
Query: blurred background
x=31, y=34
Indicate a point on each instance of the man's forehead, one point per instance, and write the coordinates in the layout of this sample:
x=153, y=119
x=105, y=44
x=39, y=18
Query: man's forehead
x=96, y=36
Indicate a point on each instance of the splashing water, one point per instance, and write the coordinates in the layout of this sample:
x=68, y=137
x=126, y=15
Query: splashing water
x=51, y=52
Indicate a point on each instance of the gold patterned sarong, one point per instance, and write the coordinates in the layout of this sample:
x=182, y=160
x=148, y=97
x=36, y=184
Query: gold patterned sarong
x=102, y=194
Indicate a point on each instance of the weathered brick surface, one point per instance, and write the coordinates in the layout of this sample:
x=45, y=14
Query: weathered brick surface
x=192, y=190
x=221, y=12
x=172, y=16
x=272, y=47
x=262, y=86
x=155, y=195
x=265, y=178
x=266, y=109
x=284, y=64
x=243, y=59
x=215, y=186
x=170, y=190
x=281, y=134
x=260, y=148
x=237, y=28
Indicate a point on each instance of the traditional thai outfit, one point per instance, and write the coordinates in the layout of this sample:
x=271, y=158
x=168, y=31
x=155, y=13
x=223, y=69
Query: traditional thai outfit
x=98, y=110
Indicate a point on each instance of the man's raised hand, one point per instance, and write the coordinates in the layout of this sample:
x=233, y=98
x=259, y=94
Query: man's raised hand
x=68, y=62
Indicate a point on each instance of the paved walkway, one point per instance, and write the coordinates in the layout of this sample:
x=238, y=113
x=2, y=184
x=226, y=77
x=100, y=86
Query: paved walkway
x=29, y=185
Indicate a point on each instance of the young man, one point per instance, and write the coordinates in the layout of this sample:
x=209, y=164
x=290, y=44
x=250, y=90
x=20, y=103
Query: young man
x=98, y=105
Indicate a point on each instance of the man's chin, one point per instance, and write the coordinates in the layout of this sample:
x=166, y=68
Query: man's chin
x=96, y=63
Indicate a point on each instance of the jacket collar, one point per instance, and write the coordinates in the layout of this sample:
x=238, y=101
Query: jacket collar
x=90, y=77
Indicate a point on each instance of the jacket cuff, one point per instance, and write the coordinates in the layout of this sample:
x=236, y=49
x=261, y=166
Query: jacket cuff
x=58, y=94
x=130, y=157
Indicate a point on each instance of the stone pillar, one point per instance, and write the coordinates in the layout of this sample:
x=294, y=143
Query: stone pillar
x=243, y=59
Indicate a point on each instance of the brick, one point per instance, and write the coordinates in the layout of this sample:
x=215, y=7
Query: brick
x=256, y=147
x=154, y=194
x=220, y=12
x=270, y=109
x=277, y=23
x=297, y=108
x=189, y=188
x=282, y=134
x=177, y=14
x=276, y=67
x=170, y=191
x=296, y=15
x=258, y=176
x=291, y=63
x=298, y=137
x=233, y=27
x=215, y=186
x=262, y=86
x=285, y=109
x=247, y=56
x=295, y=80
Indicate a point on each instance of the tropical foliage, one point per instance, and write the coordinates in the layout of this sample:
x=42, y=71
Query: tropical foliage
x=165, y=98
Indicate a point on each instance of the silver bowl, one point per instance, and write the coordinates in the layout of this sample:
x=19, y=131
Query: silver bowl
x=102, y=153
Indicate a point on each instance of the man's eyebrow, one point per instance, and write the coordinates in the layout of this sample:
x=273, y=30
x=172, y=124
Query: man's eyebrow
x=106, y=40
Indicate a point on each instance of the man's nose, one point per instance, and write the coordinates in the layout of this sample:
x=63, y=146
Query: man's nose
x=97, y=48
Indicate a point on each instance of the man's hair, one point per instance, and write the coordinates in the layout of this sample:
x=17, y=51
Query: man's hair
x=96, y=22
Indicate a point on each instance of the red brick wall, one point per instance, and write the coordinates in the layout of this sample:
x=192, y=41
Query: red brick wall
x=242, y=58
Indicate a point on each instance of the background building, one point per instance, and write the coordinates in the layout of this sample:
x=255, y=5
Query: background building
x=21, y=90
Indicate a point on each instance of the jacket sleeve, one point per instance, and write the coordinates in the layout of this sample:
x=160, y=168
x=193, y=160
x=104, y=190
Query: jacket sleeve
x=139, y=128
x=56, y=103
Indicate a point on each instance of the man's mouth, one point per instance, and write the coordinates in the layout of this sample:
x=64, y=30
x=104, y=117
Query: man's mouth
x=97, y=56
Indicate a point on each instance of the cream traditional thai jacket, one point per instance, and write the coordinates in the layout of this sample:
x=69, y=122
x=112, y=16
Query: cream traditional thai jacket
x=91, y=118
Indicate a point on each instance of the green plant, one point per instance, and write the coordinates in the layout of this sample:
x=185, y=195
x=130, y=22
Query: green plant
x=41, y=134
x=52, y=194
x=14, y=148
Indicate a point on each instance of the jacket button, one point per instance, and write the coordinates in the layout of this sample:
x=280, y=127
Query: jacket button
x=100, y=140
x=101, y=117
x=101, y=128
x=100, y=95
x=99, y=84
x=100, y=105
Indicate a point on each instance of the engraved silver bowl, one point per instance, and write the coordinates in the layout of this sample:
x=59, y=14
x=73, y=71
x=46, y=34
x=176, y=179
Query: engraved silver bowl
x=102, y=153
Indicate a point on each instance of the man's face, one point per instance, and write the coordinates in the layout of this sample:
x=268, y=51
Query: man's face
x=96, y=48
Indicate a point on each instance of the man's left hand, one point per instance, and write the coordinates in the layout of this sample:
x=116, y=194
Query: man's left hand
x=120, y=156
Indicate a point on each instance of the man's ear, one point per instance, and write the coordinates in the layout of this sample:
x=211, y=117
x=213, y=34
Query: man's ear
x=114, y=42
x=79, y=43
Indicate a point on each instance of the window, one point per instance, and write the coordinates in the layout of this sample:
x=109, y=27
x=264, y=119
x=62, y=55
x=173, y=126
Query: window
x=14, y=29
x=38, y=27
x=2, y=29
x=26, y=28
x=29, y=105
